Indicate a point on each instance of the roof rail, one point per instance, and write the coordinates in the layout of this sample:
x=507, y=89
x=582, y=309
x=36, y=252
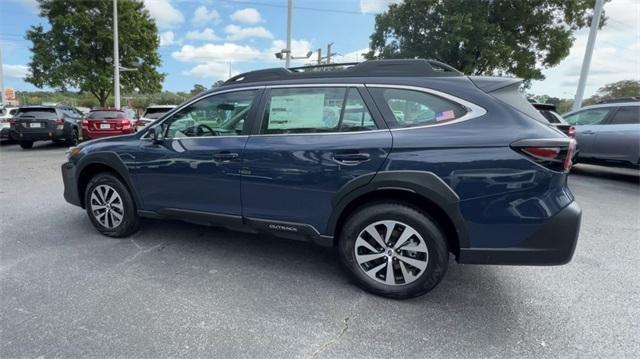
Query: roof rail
x=372, y=68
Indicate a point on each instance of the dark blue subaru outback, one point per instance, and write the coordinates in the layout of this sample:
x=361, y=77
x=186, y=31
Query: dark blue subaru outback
x=398, y=163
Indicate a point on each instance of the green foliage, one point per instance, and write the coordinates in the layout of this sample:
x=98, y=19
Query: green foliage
x=625, y=88
x=482, y=37
x=74, y=52
x=197, y=88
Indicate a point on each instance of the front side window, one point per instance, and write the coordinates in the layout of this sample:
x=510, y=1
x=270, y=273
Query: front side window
x=627, y=115
x=415, y=108
x=216, y=115
x=588, y=117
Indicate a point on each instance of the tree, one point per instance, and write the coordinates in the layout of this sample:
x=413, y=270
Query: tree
x=197, y=88
x=625, y=88
x=482, y=36
x=76, y=51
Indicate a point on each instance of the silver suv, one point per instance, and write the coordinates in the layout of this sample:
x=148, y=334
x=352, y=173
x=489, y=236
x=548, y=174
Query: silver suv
x=608, y=133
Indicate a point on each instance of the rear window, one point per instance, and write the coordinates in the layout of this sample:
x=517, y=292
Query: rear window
x=104, y=115
x=36, y=112
x=552, y=116
x=155, y=113
x=511, y=95
x=416, y=108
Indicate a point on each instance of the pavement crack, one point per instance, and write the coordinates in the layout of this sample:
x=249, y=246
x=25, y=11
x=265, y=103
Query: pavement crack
x=328, y=343
x=143, y=251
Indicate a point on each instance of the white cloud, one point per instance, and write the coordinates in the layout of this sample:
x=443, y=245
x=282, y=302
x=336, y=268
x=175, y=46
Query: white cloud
x=15, y=71
x=206, y=35
x=353, y=56
x=168, y=38
x=227, y=52
x=247, y=16
x=212, y=70
x=238, y=33
x=615, y=55
x=376, y=6
x=164, y=13
x=202, y=15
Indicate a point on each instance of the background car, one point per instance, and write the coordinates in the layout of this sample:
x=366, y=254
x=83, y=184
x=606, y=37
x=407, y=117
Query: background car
x=55, y=123
x=151, y=114
x=608, y=133
x=550, y=113
x=6, y=115
x=106, y=123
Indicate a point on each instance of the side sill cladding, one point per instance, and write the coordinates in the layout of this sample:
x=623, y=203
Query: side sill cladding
x=426, y=185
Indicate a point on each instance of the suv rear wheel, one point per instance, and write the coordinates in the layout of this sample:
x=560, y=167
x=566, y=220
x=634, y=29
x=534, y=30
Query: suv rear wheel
x=394, y=250
x=26, y=144
x=110, y=206
x=73, y=138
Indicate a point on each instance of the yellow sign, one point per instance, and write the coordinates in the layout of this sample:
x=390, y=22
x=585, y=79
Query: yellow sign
x=9, y=94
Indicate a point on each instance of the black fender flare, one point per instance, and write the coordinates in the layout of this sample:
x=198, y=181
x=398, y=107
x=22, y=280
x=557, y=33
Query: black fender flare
x=425, y=184
x=113, y=161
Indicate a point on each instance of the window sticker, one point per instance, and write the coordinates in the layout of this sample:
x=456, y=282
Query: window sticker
x=297, y=111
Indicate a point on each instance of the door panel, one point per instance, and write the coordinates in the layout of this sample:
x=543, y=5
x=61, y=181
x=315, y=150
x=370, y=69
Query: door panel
x=293, y=178
x=588, y=123
x=619, y=138
x=187, y=174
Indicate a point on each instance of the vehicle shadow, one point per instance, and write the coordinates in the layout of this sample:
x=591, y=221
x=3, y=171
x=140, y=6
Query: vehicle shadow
x=629, y=175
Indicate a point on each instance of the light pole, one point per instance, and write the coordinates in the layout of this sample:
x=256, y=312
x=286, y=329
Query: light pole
x=116, y=58
x=586, y=62
x=289, y=13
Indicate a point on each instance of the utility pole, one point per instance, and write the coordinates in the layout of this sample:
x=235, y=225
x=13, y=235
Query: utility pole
x=319, y=56
x=289, y=13
x=586, y=62
x=116, y=58
x=329, y=53
x=1, y=79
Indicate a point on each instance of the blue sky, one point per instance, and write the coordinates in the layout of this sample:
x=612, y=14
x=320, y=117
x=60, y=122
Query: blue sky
x=201, y=40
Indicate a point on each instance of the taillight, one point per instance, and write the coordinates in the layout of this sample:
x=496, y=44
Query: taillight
x=554, y=154
x=85, y=123
x=572, y=132
x=126, y=124
x=60, y=123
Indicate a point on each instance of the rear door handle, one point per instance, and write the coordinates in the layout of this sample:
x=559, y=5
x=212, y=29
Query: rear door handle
x=588, y=132
x=226, y=156
x=351, y=157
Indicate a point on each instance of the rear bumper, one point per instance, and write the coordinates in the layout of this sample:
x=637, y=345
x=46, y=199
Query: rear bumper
x=43, y=135
x=71, y=194
x=553, y=244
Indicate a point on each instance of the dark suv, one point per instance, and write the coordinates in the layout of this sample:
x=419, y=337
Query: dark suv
x=46, y=123
x=398, y=163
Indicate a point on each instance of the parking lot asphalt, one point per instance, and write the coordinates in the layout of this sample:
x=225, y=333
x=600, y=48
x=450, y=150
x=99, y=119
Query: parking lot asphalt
x=175, y=289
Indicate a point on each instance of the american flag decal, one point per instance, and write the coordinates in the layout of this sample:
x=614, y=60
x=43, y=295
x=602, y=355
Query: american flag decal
x=445, y=115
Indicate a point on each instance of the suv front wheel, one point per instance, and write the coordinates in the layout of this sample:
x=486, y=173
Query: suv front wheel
x=110, y=206
x=394, y=250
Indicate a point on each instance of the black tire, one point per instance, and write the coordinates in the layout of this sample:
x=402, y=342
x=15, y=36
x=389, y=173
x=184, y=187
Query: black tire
x=130, y=221
x=434, y=239
x=26, y=144
x=73, y=138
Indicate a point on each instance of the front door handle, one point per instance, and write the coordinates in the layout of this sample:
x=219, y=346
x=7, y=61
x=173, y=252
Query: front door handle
x=351, y=157
x=588, y=132
x=226, y=156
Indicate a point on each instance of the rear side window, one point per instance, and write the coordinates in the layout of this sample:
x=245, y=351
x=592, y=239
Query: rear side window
x=627, y=115
x=155, y=113
x=106, y=115
x=592, y=116
x=415, y=108
x=511, y=95
x=315, y=110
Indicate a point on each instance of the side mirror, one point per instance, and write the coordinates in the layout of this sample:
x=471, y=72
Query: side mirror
x=155, y=133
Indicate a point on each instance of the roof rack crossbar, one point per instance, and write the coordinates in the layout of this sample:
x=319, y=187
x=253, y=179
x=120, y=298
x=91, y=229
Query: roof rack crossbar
x=381, y=68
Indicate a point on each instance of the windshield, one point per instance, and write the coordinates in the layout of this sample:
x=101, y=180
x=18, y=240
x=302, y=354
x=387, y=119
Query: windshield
x=104, y=115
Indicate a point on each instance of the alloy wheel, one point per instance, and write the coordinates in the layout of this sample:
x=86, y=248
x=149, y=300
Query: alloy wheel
x=106, y=206
x=391, y=252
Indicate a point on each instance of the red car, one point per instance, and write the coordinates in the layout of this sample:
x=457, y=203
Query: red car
x=105, y=123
